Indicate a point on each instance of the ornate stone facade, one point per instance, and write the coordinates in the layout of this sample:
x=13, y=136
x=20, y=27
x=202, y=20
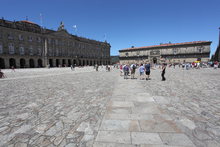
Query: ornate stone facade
x=169, y=53
x=26, y=44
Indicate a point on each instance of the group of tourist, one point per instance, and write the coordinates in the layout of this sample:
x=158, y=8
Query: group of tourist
x=143, y=69
x=196, y=65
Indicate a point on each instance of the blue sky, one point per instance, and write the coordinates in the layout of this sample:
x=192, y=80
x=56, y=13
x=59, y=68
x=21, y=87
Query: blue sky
x=126, y=23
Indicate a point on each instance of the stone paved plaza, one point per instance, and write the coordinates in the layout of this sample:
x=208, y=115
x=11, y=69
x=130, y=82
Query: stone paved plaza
x=60, y=107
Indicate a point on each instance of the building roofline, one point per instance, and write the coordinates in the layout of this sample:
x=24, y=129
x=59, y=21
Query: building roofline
x=167, y=45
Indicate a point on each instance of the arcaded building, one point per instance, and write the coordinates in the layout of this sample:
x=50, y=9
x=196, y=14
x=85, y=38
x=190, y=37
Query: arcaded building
x=168, y=53
x=24, y=44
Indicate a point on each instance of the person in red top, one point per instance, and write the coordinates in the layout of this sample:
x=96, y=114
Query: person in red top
x=121, y=70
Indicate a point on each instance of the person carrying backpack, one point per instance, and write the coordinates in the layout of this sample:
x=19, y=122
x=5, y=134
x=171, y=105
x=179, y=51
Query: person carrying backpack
x=147, y=71
x=126, y=71
x=133, y=68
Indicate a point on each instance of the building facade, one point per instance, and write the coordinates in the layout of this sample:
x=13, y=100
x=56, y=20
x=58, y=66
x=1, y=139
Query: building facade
x=168, y=53
x=26, y=44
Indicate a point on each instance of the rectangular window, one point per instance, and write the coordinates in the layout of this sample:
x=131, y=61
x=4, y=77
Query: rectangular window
x=20, y=37
x=10, y=36
x=11, y=48
x=57, y=52
x=21, y=49
x=1, y=48
x=39, y=51
x=30, y=38
x=31, y=50
x=50, y=52
x=49, y=41
x=38, y=39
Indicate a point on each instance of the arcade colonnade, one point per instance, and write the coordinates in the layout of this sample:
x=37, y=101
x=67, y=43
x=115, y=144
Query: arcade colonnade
x=33, y=62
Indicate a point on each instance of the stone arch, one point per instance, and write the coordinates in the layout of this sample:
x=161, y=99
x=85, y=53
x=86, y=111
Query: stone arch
x=57, y=62
x=74, y=61
x=83, y=62
x=80, y=64
x=31, y=63
x=22, y=63
x=51, y=62
x=87, y=62
x=90, y=63
x=69, y=62
x=12, y=62
x=2, y=63
x=40, y=63
x=64, y=62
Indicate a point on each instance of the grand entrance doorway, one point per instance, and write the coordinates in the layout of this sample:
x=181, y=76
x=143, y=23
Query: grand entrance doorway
x=155, y=60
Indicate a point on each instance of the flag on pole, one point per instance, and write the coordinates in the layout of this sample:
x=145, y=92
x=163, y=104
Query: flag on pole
x=75, y=29
x=41, y=19
x=105, y=37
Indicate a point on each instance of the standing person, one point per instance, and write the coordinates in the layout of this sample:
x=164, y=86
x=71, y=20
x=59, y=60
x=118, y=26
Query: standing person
x=215, y=64
x=13, y=68
x=163, y=71
x=97, y=67
x=133, y=68
x=121, y=70
x=126, y=71
x=141, y=71
x=147, y=71
x=73, y=67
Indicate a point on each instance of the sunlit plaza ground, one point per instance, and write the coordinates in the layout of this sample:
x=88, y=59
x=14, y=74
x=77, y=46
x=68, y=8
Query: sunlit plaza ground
x=60, y=107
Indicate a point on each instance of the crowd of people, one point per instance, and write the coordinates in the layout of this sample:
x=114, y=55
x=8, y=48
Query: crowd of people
x=144, y=71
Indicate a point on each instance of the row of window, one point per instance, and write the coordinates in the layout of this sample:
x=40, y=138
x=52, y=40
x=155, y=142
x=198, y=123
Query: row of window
x=199, y=49
x=22, y=38
x=56, y=42
x=72, y=44
x=57, y=52
x=11, y=49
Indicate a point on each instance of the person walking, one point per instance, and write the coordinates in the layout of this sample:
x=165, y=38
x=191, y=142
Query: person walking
x=133, y=68
x=126, y=71
x=141, y=71
x=147, y=71
x=97, y=67
x=163, y=72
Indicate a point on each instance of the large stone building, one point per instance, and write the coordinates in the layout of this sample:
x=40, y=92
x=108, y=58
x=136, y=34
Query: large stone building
x=169, y=53
x=26, y=44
